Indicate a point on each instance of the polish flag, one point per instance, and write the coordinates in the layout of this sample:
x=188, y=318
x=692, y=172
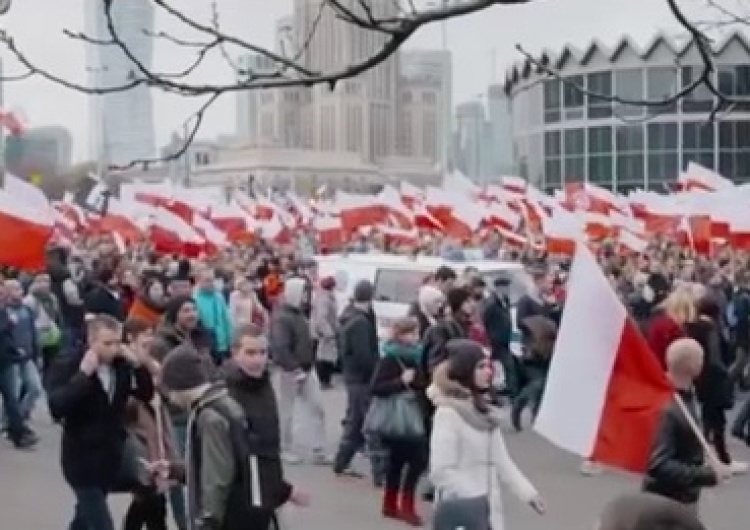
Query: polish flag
x=25, y=230
x=607, y=376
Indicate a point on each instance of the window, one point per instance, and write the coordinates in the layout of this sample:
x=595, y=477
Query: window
x=397, y=285
x=599, y=83
x=629, y=85
x=700, y=98
x=553, y=173
x=600, y=140
x=553, y=158
x=663, y=155
x=552, y=100
x=575, y=169
x=629, y=138
x=552, y=144
x=735, y=81
x=429, y=135
x=698, y=136
x=698, y=144
x=734, y=150
x=630, y=159
x=406, y=96
x=573, y=97
x=574, y=142
x=661, y=84
x=600, y=155
x=429, y=98
x=662, y=136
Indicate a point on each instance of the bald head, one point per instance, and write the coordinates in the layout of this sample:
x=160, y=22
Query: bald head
x=684, y=358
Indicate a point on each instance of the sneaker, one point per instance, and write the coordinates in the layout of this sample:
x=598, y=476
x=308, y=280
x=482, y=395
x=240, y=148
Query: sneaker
x=349, y=473
x=739, y=468
x=28, y=440
x=320, y=458
x=290, y=458
x=590, y=469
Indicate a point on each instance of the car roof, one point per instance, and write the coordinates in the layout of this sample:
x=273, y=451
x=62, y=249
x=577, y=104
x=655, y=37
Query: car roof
x=427, y=263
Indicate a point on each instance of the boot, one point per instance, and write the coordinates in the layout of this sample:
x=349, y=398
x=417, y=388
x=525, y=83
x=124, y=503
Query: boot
x=390, y=504
x=408, y=509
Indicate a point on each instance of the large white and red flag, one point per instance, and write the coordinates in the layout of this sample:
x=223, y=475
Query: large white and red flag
x=605, y=389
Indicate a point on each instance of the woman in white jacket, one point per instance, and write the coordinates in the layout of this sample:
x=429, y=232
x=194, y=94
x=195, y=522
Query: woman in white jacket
x=468, y=457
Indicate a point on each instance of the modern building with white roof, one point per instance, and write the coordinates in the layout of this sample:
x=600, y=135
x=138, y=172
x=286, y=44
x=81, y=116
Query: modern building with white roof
x=561, y=134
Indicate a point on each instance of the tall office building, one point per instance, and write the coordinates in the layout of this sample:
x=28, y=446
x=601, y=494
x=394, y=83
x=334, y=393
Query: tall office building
x=424, y=105
x=359, y=115
x=500, y=114
x=121, y=123
x=472, y=140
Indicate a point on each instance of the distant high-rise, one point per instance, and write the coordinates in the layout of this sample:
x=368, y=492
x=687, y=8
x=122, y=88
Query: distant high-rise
x=501, y=124
x=121, y=123
x=359, y=115
x=472, y=134
x=425, y=105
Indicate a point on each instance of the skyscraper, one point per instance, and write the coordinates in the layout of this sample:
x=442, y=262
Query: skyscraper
x=359, y=114
x=121, y=123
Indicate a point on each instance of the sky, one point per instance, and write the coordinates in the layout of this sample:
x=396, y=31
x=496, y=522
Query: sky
x=483, y=48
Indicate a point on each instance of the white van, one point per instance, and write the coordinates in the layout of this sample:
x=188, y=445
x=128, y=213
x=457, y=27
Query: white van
x=397, y=280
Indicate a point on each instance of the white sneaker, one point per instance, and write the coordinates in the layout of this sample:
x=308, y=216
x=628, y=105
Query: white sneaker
x=590, y=469
x=290, y=458
x=739, y=468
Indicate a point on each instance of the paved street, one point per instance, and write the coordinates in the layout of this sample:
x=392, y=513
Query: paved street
x=34, y=496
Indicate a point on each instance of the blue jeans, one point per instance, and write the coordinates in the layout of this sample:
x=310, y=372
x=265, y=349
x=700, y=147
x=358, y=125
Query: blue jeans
x=177, y=493
x=30, y=388
x=9, y=393
x=92, y=511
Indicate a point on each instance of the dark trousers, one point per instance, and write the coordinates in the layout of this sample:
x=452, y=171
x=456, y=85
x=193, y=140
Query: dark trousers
x=714, y=429
x=407, y=460
x=529, y=396
x=741, y=427
x=510, y=369
x=147, y=510
x=92, y=511
x=325, y=371
x=9, y=393
x=352, y=438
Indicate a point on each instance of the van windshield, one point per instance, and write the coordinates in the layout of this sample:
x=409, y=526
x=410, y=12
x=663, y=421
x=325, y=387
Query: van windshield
x=400, y=286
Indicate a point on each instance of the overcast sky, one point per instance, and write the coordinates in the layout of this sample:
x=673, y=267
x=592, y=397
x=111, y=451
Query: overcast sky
x=36, y=26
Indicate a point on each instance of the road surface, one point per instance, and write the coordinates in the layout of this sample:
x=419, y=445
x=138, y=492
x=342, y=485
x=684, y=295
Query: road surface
x=34, y=496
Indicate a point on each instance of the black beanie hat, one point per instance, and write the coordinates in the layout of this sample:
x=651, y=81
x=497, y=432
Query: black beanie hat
x=184, y=369
x=463, y=357
x=174, y=306
x=456, y=297
x=363, y=291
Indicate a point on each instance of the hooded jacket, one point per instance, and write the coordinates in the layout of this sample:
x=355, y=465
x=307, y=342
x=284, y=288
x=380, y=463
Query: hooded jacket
x=358, y=344
x=290, y=340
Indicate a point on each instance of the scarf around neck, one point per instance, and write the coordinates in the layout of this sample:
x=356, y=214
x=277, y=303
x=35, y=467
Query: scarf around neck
x=465, y=408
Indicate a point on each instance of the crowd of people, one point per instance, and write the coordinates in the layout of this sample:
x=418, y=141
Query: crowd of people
x=176, y=381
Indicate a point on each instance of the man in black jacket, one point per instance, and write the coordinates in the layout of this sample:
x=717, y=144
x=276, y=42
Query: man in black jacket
x=677, y=468
x=360, y=353
x=498, y=323
x=87, y=395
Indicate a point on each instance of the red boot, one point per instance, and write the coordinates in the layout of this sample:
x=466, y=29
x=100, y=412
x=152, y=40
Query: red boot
x=408, y=509
x=390, y=504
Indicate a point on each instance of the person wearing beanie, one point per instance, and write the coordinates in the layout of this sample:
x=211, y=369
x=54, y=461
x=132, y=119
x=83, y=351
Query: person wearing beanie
x=466, y=440
x=456, y=324
x=293, y=352
x=360, y=353
x=217, y=485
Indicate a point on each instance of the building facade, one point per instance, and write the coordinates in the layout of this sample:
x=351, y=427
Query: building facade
x=500, y=118
x=121, y=123
x=563, y=133
x=423, y=124
x=472, y=150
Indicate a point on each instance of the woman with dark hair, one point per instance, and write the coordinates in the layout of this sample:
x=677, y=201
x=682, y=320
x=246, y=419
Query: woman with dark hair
x=150, y=302
x=469, y=461
x=713, y=386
